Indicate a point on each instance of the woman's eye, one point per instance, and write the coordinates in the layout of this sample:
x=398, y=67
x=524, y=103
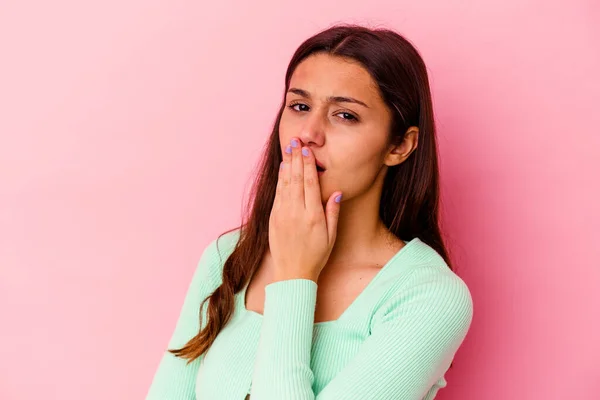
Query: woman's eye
x=348, y=117
x=297, y=104
x=352, y=117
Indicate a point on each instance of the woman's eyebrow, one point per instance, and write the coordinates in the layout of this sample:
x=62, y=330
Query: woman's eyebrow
x=331, y=99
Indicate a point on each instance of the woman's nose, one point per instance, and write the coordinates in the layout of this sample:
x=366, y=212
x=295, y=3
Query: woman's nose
x=312, y=134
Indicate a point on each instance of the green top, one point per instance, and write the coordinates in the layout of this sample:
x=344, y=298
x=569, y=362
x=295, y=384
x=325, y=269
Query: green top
x=395, y=341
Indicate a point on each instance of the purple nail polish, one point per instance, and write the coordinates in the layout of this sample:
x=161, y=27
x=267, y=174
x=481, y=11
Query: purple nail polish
x=305, y=152
x=338, y=198
x=288, y=149
x=294, y=143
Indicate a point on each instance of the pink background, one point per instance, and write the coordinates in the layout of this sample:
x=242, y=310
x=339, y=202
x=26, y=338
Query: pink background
x=130, y=130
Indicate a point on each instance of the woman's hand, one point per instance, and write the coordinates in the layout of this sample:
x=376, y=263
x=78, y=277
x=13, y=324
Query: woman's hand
x=301, y=232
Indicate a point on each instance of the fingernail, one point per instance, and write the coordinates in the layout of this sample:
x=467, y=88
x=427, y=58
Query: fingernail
x=305, y=152
x=294, y=143
x=338, y=198
x=288, y=149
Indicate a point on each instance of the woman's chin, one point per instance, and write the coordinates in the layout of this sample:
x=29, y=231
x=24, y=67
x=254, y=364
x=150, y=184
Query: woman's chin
x=326, y=190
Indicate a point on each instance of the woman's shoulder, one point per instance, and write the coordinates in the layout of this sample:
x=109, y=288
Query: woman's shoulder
x=223, y=245
x=419, y=273
x=418, y=260
x=214, y=255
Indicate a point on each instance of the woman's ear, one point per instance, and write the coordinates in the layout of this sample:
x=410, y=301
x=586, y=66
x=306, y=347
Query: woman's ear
x=399, y=153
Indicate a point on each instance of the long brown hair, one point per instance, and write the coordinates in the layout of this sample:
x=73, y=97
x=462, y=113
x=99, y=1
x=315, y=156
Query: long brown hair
x=409, y=201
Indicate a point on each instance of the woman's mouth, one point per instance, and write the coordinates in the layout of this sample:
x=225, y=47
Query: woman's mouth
x=320, y=168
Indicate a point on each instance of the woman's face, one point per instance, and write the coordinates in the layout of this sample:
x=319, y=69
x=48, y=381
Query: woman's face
x=348, y=137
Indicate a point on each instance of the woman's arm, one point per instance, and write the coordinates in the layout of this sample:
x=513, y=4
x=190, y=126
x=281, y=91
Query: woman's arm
x=174, y=379
x=415, y=335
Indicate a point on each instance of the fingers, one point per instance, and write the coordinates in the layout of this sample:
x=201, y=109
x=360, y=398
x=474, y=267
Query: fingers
x=297, y=174
x=290, y=185
x=312, y=189
x=298, y=182
x=283, y=182
x=332, y=214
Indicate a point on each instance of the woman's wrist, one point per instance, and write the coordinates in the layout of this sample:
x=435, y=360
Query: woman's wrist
x=288, y=276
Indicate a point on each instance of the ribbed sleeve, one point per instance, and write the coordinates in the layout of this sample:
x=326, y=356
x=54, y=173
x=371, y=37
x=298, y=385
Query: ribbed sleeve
x=282, y=365
x=174, y=379
x=414, y=337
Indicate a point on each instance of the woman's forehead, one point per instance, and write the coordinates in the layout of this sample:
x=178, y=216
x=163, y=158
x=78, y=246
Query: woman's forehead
x=323, y=75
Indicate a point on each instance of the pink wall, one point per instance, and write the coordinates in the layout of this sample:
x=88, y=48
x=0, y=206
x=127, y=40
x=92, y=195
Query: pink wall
x=130, y=128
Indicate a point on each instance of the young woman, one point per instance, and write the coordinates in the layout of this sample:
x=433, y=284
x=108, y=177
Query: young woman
x=337, y=286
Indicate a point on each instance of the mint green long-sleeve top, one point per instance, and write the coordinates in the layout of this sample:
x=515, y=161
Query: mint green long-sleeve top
x=396, y=340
